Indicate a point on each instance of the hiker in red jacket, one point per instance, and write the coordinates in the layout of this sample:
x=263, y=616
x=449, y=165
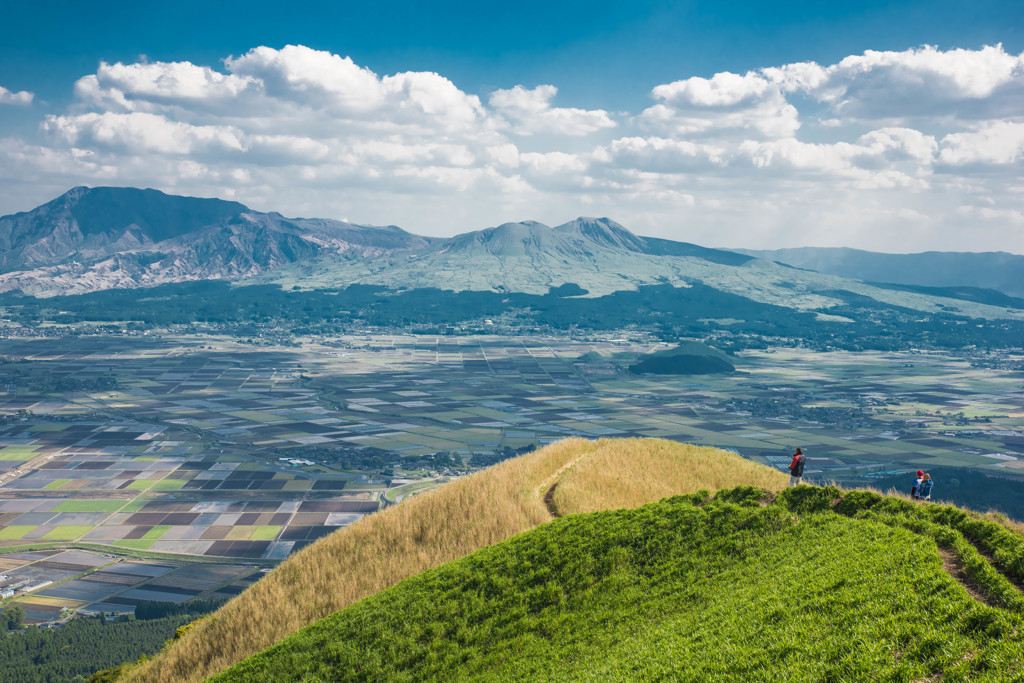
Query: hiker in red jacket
x=796, y=468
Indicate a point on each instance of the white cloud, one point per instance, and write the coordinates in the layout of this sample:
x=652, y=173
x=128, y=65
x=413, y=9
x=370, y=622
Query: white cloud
x=899, y=144
x=874, y=142
x=722, y=90
x=134, y=86
x=22, y=97
x=532, y=114
x=924, y=82
x=662, y=154
x=142, y=132
x=1000, y=142
x=985, y=213
x=863, y=162
x=319, y=77
x=322, y=81
x=551, y=163
x=726, y=101
x=959, y=74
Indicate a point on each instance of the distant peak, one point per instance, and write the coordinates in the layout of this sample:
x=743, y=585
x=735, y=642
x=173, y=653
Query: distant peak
x=103, y=210
x=604, y=231
x=519, y=225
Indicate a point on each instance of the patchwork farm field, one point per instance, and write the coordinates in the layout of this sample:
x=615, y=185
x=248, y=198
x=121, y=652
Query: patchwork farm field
x=63, y=581
x=199, y=445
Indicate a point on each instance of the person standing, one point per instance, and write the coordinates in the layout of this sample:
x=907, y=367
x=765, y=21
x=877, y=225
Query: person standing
x=915, y=490
x=796, y=467
x=924, y=491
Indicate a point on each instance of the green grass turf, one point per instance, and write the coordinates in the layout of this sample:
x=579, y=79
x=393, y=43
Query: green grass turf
x=812, y=587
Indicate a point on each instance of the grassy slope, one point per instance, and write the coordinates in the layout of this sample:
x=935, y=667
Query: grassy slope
x=437, y=527
x=814, y=586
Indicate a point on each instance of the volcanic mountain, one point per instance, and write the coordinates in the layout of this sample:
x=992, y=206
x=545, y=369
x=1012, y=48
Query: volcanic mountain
x=100, y=238
x=93, y=239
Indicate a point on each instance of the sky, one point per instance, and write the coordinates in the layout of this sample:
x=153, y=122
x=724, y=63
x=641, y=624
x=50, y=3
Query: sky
x=888, y=126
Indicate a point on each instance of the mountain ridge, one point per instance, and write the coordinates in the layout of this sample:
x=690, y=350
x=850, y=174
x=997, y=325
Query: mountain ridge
x=998, y=270
x=810, y=584
x=69, y=246
x=431, y=529
x=98, y=238
x=851, y=546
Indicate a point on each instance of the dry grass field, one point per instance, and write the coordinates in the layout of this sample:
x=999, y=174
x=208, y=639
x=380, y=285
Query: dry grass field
x=627, y=473
x=575, y=475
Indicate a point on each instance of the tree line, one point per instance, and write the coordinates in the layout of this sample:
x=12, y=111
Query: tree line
x=85, y=645
x=672, y=312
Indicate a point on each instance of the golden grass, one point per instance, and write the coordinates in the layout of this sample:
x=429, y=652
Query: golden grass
x=627, y=473
x=439, y=526
x=1011, y=524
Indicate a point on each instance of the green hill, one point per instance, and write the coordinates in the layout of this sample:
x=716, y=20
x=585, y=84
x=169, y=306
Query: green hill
x=689, y=358
x=545, y=567
x=811, y=585
x=429, y=530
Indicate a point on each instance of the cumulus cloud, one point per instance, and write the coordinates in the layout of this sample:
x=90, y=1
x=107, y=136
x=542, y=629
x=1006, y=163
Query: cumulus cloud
x=531, y=113
x=7, y=97
x=725, y=101
x=722, y=90
x=662, y=154
x=328, y=82
x=922, y=137
x=142, y=132
x=1000, y=142
x=139, y=86
x=925, y=82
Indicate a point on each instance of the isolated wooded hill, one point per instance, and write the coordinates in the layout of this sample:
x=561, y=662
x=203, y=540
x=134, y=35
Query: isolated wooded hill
x=805, y=585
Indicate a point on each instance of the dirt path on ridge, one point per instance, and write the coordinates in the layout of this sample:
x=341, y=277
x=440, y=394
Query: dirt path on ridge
x=954, y=566
x=551, y=483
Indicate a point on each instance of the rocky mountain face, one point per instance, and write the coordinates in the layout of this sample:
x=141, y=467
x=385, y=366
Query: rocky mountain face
x=98, y=238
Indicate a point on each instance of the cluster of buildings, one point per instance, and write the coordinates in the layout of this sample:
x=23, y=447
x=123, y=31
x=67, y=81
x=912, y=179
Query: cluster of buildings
x=22, y=586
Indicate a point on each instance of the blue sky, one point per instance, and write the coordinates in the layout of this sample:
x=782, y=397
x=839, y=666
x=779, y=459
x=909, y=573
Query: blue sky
x=733, y=124
x=585, y=46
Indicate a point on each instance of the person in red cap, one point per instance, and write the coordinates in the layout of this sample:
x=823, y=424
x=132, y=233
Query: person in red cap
x=916, y=488
x=796, y=467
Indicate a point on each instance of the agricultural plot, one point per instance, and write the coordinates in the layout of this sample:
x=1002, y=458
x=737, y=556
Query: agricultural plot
x=199, y=445
x=56, y=582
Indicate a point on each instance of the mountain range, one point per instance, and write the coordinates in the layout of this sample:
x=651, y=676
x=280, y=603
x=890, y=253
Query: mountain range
x=91, y=239
x=997, y=270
